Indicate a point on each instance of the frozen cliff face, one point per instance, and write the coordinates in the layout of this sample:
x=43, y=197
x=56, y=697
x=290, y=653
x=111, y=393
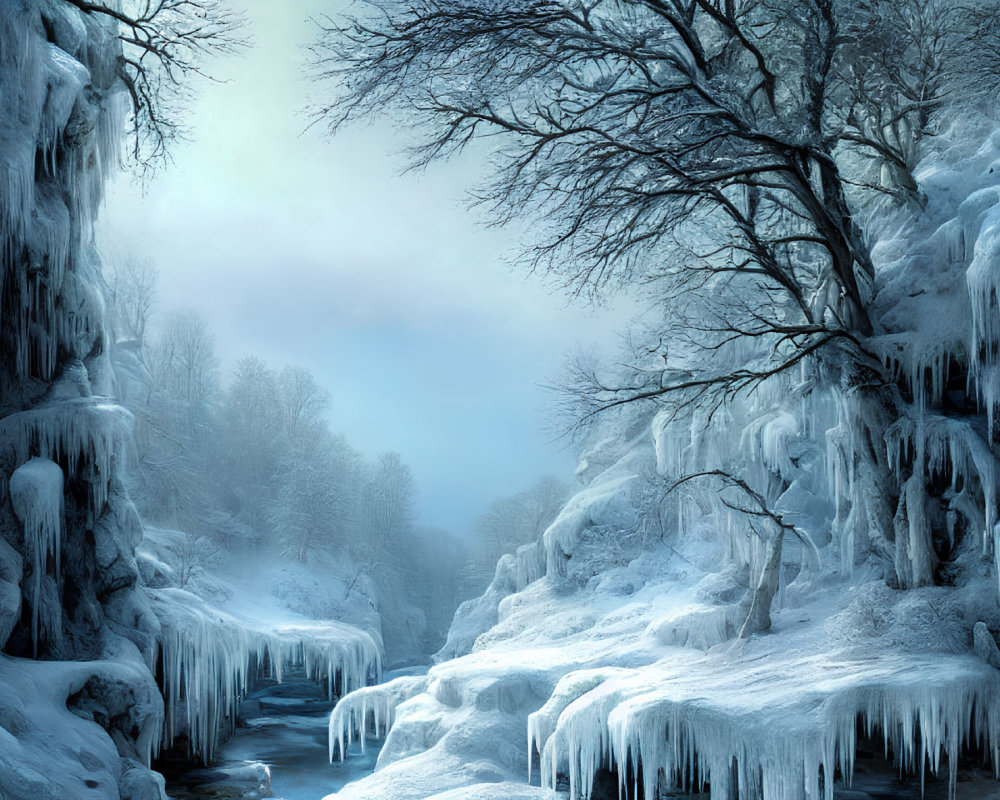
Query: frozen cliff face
x=85, y=721
x=667, y=635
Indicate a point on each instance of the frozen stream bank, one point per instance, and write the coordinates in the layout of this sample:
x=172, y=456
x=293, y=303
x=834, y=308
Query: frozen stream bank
x=283, y=728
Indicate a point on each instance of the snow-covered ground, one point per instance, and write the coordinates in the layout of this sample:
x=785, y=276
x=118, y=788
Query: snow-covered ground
x=53, y=721
x=638, y=660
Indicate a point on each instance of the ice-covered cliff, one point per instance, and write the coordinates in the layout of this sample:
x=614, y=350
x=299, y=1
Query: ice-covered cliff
x=719, y=610
x=84, y=719
x=81, y=635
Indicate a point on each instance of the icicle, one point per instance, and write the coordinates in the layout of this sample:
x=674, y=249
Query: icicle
x=82, y=433
x=350, y=716
x=36, y=493
x=982, y=210
x=207, y=656
x=686, y=715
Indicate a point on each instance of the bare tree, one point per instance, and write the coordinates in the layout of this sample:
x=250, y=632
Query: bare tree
x=252, y=440
x=389, y=496
x=183, y=361
x=738, y=496
x=318, y=496
x=132, y=285
x=630, y=129
x=194, y=554
x=174, y=423
x=302, y=401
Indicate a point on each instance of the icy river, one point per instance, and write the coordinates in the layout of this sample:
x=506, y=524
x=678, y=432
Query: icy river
x=282, y=731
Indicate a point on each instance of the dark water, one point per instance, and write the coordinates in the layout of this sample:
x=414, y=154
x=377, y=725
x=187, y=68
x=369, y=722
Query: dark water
x=876, y=779
x=283, y=727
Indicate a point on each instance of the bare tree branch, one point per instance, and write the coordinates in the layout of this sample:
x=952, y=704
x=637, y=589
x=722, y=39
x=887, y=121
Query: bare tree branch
x=164, y=46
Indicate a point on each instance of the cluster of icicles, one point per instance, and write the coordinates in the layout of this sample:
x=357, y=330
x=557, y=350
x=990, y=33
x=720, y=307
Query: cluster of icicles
x=774, y=739
x=349, y=719
x=52, y=189
x=36, y=493
x=61, y=117
x=209, y=660
x=955, y=317
x=85, y=435
x=730, y=730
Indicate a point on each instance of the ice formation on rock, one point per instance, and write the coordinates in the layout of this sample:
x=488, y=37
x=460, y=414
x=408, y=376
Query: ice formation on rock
x=84, y=721
x=87, y=435
x=209, y=659
x=36, y=494
x=59, y=141
x=770, y=729
x=349, y=718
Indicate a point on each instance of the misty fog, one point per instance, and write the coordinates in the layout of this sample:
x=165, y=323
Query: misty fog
x=488, y=400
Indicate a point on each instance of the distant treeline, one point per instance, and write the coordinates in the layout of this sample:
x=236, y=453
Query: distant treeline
x=247, y=463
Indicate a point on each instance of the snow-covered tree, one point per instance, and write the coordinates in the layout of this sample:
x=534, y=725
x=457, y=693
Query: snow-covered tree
x=174, y=411
x=719, y=154
x=302, y=402
x=388, y=501
x=251, y=442
x=318, y=497
x=182, y=360
x=901, y=65
x=131, y=295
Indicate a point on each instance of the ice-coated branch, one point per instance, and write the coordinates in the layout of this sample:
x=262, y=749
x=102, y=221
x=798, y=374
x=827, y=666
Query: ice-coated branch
x=685, y=390
x=620, y=134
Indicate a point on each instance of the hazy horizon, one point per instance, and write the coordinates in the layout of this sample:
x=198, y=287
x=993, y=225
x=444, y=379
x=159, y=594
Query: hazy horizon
x=306, y=249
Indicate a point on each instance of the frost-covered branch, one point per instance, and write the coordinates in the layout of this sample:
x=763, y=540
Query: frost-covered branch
x=903, y=63
x=164, y=45
x=721, y=157
x=620, y=133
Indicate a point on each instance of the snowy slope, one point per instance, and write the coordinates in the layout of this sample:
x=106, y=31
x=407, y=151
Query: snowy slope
x=629, y=651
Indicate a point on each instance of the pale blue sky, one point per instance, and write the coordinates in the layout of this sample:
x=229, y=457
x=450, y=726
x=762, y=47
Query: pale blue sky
x=316, y=251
